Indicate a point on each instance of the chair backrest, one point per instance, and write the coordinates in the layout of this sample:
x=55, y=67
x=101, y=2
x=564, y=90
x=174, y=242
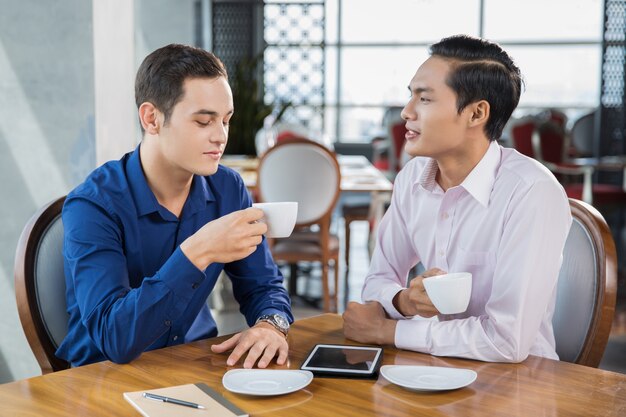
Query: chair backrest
x=396, y=131
x=304, y=171
x=522, y=135
x=552, y=142
x=582, y=134
x=40, y=285
x=586, y=291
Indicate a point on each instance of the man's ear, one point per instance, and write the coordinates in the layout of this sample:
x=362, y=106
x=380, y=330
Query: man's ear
x=479, y=113
x=149, y=118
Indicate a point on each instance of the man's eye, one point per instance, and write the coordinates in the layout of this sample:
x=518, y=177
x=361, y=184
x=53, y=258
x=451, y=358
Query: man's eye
x=424, y=100
x=201, y=123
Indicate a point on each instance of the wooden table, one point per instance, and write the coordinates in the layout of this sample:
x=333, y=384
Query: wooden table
x=535, y=387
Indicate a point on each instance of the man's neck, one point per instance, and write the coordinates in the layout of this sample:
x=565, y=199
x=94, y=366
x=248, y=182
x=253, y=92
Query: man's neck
x=170, y=184
x=456, y=166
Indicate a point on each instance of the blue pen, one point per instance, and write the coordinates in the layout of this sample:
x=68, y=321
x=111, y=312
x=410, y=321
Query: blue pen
x=156, y=397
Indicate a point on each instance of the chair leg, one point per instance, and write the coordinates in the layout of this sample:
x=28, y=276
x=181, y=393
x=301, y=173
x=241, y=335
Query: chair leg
x=336, y=295
x=293, y=279
x=347, y=243
x=325, y=287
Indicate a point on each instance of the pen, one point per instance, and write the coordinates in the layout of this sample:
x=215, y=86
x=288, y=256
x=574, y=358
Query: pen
x=156, y=397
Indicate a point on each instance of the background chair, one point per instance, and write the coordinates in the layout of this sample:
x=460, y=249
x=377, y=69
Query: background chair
x=40, y=285
x=304, y=171
x=546, y=141
x=352, y=213
x=582, y=134
x=586, y=289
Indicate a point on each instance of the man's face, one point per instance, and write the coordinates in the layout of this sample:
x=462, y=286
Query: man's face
x=435, y=128
x=195, y=135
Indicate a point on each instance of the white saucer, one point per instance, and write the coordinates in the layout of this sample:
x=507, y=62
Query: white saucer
x=428, y=378
x=265, y=381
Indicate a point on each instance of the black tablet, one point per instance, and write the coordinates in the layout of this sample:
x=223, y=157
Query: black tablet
x=344, y=360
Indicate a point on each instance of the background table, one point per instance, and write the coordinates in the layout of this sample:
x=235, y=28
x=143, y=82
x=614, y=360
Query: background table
x=357, y=173
x=535, y=387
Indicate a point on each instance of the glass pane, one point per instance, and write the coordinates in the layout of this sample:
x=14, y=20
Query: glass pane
x=330, y=73
x=330, y=123
x=549, y=20
x=378, y=75
x=361, y=124
x=331, y=21
x=418, y=21
x=564, y=76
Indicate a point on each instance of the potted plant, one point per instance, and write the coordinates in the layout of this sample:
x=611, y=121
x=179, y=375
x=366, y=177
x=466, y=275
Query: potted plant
x=250, y=108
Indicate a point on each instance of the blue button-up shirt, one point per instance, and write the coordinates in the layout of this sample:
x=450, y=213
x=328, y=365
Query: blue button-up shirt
x=129, y=286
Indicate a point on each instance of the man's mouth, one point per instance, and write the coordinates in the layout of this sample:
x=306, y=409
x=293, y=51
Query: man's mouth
x=214, y=154
x=412, y=134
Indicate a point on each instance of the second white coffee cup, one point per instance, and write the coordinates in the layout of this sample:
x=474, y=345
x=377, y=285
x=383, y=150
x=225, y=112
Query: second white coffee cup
x=450, y=293
x=280, y=217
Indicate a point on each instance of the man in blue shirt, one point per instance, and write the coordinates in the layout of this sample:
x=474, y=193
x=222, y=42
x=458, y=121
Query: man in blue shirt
x=147, y=236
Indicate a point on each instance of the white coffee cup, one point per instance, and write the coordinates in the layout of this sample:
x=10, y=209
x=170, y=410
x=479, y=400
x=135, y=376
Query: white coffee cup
x=280, y=217
x=450, y=293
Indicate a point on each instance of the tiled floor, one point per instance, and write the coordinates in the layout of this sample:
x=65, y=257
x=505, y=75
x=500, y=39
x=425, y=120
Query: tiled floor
x=231, y=320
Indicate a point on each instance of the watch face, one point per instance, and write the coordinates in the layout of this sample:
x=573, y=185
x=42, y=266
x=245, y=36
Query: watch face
x=281, y=321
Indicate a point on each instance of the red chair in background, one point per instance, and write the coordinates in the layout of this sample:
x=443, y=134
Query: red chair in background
x=522, y=135
x=547, y=142
x=388, y=151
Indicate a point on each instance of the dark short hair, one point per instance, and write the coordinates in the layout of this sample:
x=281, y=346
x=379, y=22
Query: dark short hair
x=161, y=75
x=482, y=70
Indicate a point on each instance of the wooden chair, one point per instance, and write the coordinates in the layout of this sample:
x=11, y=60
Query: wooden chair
x=40, y=285
x=586, y=291
x=352, y=213
x=304, y=171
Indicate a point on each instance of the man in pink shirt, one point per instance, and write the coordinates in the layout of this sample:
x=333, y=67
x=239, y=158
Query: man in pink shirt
x=464, y=203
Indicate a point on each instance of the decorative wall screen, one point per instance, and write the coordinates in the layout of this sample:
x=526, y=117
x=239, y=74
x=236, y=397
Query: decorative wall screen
x=235, y=29
x=294, y=34
x=612, y=94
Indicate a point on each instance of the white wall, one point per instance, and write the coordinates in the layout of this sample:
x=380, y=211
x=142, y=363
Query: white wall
x=46, y=134
x=47, y=127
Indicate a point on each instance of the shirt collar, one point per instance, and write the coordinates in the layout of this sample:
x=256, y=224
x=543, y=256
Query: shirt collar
x=428, y=178
x=145, y=200
x=479, y=181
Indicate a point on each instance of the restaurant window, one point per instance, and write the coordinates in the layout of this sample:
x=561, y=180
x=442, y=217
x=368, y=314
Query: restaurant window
x=341, y=63
x=373, y=48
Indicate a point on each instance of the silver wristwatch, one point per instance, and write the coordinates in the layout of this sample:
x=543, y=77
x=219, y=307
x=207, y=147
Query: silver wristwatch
x=276, y=320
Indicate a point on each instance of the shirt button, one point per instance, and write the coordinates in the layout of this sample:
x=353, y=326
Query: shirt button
x=175, y=338
x=195, y=285
x=168, y=323
x=445, y=216
x=441, y=253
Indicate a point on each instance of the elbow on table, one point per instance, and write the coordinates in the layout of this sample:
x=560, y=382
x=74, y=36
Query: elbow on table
x=121, y=356
x=515, y=356
x=511, y=351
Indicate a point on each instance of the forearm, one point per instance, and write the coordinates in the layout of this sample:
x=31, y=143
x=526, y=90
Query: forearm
x=258, y=286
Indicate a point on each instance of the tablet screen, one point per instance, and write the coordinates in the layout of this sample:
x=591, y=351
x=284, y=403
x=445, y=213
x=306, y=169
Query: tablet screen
x=343, y=359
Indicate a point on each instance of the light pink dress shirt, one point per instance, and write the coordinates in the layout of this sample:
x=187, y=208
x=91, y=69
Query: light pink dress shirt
x=506, y=224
